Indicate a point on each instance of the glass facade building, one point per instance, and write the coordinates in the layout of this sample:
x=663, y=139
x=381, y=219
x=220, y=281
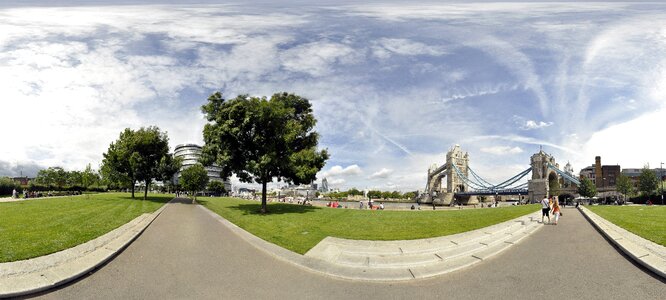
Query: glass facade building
x=190, y=154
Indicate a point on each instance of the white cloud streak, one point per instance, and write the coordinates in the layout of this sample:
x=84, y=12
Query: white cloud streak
x=502, y=150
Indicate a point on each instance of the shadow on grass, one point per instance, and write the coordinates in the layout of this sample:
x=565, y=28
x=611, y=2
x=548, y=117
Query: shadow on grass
x=273, y=209
x=164, y=199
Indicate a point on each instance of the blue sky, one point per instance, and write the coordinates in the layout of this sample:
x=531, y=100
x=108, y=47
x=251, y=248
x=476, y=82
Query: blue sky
x=394, y=85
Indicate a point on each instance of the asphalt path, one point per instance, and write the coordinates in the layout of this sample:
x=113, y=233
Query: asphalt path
x=186, y=254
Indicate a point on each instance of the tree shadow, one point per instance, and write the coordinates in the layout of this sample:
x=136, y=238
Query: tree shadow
x=159, y=199
x=273, y=208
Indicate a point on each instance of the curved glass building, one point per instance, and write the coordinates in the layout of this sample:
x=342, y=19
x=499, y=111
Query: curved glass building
x=190, y=153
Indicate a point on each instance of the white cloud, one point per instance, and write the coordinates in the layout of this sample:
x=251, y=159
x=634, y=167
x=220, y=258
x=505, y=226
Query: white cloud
x=386, y=46
x=336, y=182
x=502, y=150
x=340, y=171
x=476, y=91
x=383, y=173
x=531, y=124
x=525, y=124
x=631, y=144
x=316, y=58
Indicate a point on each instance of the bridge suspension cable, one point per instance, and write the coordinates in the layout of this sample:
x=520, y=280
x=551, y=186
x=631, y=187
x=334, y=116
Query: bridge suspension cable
x=483, y=185
x=565, y=175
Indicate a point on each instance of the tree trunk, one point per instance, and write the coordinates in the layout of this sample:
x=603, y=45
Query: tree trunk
x=264, y=208
x=145, y=192
x=133, y=188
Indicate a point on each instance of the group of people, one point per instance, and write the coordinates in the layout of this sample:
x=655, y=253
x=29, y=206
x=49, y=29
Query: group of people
x=371, y=205
x=550, y=205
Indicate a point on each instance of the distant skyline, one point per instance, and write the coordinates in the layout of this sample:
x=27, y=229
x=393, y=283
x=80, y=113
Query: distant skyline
x=394, y=85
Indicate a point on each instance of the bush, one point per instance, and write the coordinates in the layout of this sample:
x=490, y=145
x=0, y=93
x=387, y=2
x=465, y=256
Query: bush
x=97, y=188
x=7, y=185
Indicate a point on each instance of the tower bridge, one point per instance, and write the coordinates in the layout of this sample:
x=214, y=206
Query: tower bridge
x=465, y=185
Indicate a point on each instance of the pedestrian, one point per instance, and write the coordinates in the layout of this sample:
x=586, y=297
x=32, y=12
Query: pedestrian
x=360, y=204
x=413, y=208
x=545, y=208
x=381, y=206
x=556, y=210
x=14, y=194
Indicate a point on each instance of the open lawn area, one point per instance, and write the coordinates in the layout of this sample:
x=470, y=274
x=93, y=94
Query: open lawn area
x=299, y=228
x=648, y=222
x=38, y=227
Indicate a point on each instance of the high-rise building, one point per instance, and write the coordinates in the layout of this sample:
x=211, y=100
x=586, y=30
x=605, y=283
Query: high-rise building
x=324, y=186
x=190, y=154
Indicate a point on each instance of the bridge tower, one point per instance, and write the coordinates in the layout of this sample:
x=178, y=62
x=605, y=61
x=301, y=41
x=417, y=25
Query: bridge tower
x=538, y=186
x=434, y=192
x=456, y=157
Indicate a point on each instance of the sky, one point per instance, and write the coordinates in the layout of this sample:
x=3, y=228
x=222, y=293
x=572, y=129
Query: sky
x=394, y=85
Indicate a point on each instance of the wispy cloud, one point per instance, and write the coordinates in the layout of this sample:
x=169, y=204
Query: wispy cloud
x=502, y=150
x=371, y=71
x=477, y=91
x=383, y=173
x=386, y=47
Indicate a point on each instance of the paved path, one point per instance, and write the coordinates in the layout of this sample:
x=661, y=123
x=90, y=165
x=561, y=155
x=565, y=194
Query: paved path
x=187, y=254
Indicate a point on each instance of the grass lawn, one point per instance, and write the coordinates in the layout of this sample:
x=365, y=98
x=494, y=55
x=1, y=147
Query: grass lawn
x=648, y=222
x=42, y=226
x=299, y=228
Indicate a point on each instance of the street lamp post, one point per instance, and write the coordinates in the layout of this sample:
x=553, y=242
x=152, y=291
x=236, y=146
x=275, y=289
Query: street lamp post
x=661, y=181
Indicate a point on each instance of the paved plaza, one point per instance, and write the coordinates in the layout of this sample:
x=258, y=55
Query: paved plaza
x=186, y=253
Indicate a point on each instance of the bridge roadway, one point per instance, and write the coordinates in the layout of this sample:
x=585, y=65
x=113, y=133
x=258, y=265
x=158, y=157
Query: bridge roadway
x=185, y=253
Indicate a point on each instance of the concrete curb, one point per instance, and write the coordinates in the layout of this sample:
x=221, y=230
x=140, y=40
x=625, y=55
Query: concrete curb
x=645, y=252
x=46, y=272
x=326, y=267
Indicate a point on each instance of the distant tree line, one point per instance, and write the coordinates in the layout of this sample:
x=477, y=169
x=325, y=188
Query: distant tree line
x=373, y=194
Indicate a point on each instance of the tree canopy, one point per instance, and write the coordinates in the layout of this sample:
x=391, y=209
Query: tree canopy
x=624, y=185
x=648, y=182
x=136, y=156
x=194, y=179
x=216, y=187
x=259, y=139
x=586, y=188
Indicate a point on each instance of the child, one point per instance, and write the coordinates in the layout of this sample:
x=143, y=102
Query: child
x=556, y=210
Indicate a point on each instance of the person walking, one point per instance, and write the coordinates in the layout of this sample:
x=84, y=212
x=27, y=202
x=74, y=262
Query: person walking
x=556, y=211
x=360, y=204
x=545, y=208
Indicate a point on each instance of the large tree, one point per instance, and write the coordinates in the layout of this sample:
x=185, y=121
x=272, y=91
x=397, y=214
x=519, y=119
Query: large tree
x=586, y=188
x=216, y=187
x=624, y=186
x=53, y=177
x=116, y=166
x=648, y=182
x=136, y=156
x=168, y=167
x=260, y=139
x=194, y=179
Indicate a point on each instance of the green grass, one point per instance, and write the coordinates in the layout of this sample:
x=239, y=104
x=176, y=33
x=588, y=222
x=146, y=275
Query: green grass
x=299, y=228
x=648, y=222
x=42, y=226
